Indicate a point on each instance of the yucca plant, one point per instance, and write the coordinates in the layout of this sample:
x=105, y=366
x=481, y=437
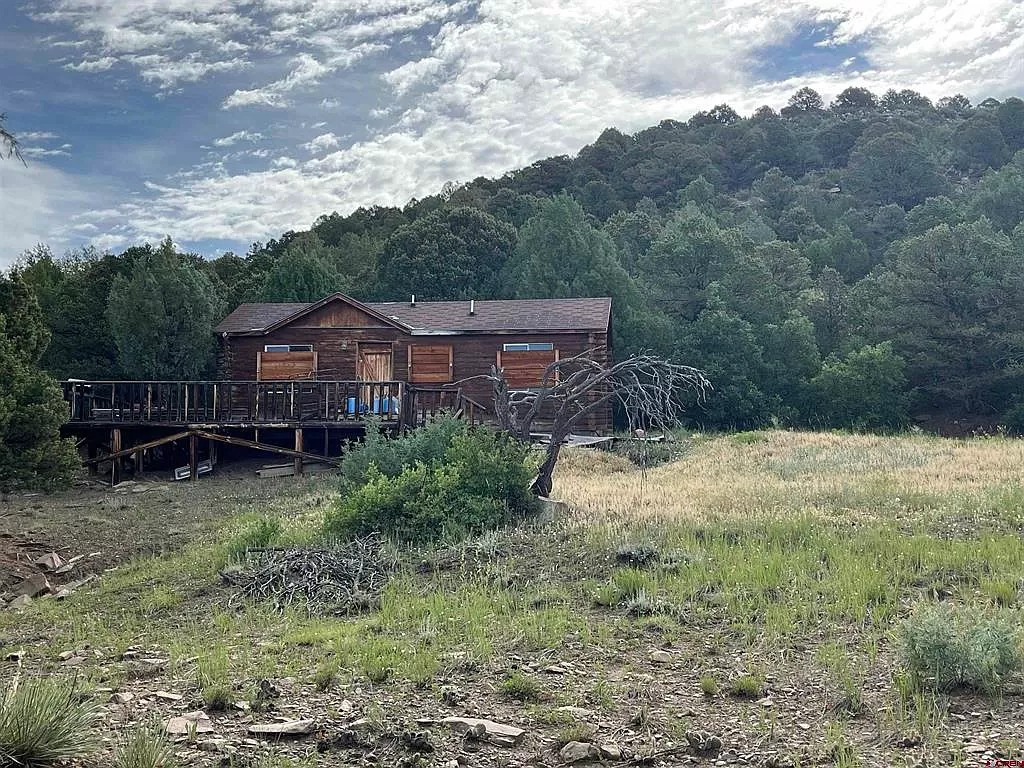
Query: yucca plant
x=43, y=722
x=145, y=748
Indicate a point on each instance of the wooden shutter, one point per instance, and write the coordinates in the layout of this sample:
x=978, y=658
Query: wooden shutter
x=430, y=363
x=286, y=366
x=525, y=369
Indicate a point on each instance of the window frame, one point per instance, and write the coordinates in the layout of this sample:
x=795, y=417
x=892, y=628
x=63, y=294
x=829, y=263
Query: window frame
x=528, y=346
x=279, y=348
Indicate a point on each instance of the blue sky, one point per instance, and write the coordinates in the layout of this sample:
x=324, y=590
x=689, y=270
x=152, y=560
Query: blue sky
x=221, y=122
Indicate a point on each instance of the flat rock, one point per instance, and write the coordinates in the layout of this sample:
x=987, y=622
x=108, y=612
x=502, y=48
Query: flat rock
x=578, y=752
x=166, y=696
x=50, y=562
x=498, y=732
x=20, y=603
x=33, y=586
x=192, y=722
x=611, y=752
x=122, y=697
x=287, y=728
x=660, y=657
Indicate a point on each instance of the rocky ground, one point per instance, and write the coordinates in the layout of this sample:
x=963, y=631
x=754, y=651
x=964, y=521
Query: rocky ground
x=555, y=677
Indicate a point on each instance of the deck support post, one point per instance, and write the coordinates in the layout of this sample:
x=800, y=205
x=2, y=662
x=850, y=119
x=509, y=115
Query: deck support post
x=193, y=457
x=137, y=470
x=327, y=441
x=298, y=447
x=90, y=447
x=115, y=464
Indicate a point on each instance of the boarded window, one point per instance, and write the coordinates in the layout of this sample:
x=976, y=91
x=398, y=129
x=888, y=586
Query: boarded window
x=288, y=348
x=525, y=369
x=286, y=366
x=430, y=363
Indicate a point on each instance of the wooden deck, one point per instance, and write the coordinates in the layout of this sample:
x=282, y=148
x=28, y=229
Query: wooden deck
x=116, y=420
x=251, y=404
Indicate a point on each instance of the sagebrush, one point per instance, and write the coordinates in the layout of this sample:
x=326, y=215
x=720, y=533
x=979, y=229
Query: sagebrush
x=948, y=648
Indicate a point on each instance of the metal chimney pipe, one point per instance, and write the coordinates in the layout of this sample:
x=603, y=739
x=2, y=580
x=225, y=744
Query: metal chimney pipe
x=472, y=306
x=412, y=301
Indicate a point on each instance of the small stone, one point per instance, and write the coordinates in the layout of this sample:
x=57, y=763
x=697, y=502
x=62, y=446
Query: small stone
x=346, y=706
x=611, y=752
x=50, y=562
x=660, y=657
x=213, y=745
x=281, y=730
x=192, y=722
x=578, y=752
x=65, y=655
x=20, y=603
x=767, y=701
x=33, y=586
x=166, y=696
x=495, y=732
x=122, y=697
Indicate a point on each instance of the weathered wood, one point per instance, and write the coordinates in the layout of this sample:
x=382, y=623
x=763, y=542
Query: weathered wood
x=298, y=451
x=115, y=454
x=93, y=459
x=242, y=442
x=193, y=457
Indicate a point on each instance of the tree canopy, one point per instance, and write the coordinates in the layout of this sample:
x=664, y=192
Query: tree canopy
x=855, y=263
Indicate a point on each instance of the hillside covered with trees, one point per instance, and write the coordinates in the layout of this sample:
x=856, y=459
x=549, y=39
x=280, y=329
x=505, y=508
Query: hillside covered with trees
x=854, y=264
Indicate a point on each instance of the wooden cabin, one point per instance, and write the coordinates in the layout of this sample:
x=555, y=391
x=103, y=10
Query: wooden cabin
x=412, y=356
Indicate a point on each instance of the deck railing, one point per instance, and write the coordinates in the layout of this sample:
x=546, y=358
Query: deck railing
x=233, y=402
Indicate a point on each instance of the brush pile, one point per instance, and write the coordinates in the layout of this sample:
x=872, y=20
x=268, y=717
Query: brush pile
x=336, y=580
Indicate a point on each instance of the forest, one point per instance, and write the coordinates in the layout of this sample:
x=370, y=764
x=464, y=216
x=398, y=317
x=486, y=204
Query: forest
x=856, y=264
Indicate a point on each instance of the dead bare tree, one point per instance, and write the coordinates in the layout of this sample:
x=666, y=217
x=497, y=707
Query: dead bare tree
x=648, y=388
x=8, y=142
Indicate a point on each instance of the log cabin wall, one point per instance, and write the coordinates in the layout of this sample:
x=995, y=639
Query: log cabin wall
x=336, y=330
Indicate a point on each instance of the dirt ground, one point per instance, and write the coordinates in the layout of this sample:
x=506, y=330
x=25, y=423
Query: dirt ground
x=627, y=688
x=108, y=526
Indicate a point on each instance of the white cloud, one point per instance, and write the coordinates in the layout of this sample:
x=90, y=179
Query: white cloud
x=306, y=72
x=63, y=150
x=237, y=136
x=38, y=200
x=28, y=136
x=515, y=81
x=93, y=65
x=322, y=143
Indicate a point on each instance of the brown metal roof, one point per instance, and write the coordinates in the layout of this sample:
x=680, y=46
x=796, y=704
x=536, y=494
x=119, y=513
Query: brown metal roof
x=448, y=316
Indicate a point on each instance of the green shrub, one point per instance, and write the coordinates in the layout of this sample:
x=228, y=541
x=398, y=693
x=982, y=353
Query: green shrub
x=945, y=648
x=745, y=687
x=708, y=685
x=255, y=535
x=391, y=455
x=43, y=722
x=480, y=482
x=145, y=748
x=520, y=687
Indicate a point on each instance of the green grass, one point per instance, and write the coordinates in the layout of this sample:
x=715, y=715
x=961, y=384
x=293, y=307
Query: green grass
x=520, y=687
x=767, y=567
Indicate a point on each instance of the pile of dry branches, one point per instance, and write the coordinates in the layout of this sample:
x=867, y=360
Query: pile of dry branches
x=342, y=579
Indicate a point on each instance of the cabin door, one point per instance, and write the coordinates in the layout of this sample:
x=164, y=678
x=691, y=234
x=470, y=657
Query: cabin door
x=374, y=363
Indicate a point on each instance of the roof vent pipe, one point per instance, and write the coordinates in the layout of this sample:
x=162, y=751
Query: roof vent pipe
x=472, y=306
x=412, y=301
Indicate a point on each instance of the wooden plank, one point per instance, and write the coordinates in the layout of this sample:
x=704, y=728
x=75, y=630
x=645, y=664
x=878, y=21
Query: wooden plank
x=298, y=451
x=139, y=447
x=115, y=454
x=193, y=457
x=242, y=442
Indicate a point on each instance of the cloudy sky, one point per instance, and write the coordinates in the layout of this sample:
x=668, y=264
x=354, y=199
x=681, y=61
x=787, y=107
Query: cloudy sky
x=221, y=122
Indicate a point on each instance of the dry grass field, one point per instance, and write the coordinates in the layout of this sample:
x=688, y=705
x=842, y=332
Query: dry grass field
x=741, y=604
